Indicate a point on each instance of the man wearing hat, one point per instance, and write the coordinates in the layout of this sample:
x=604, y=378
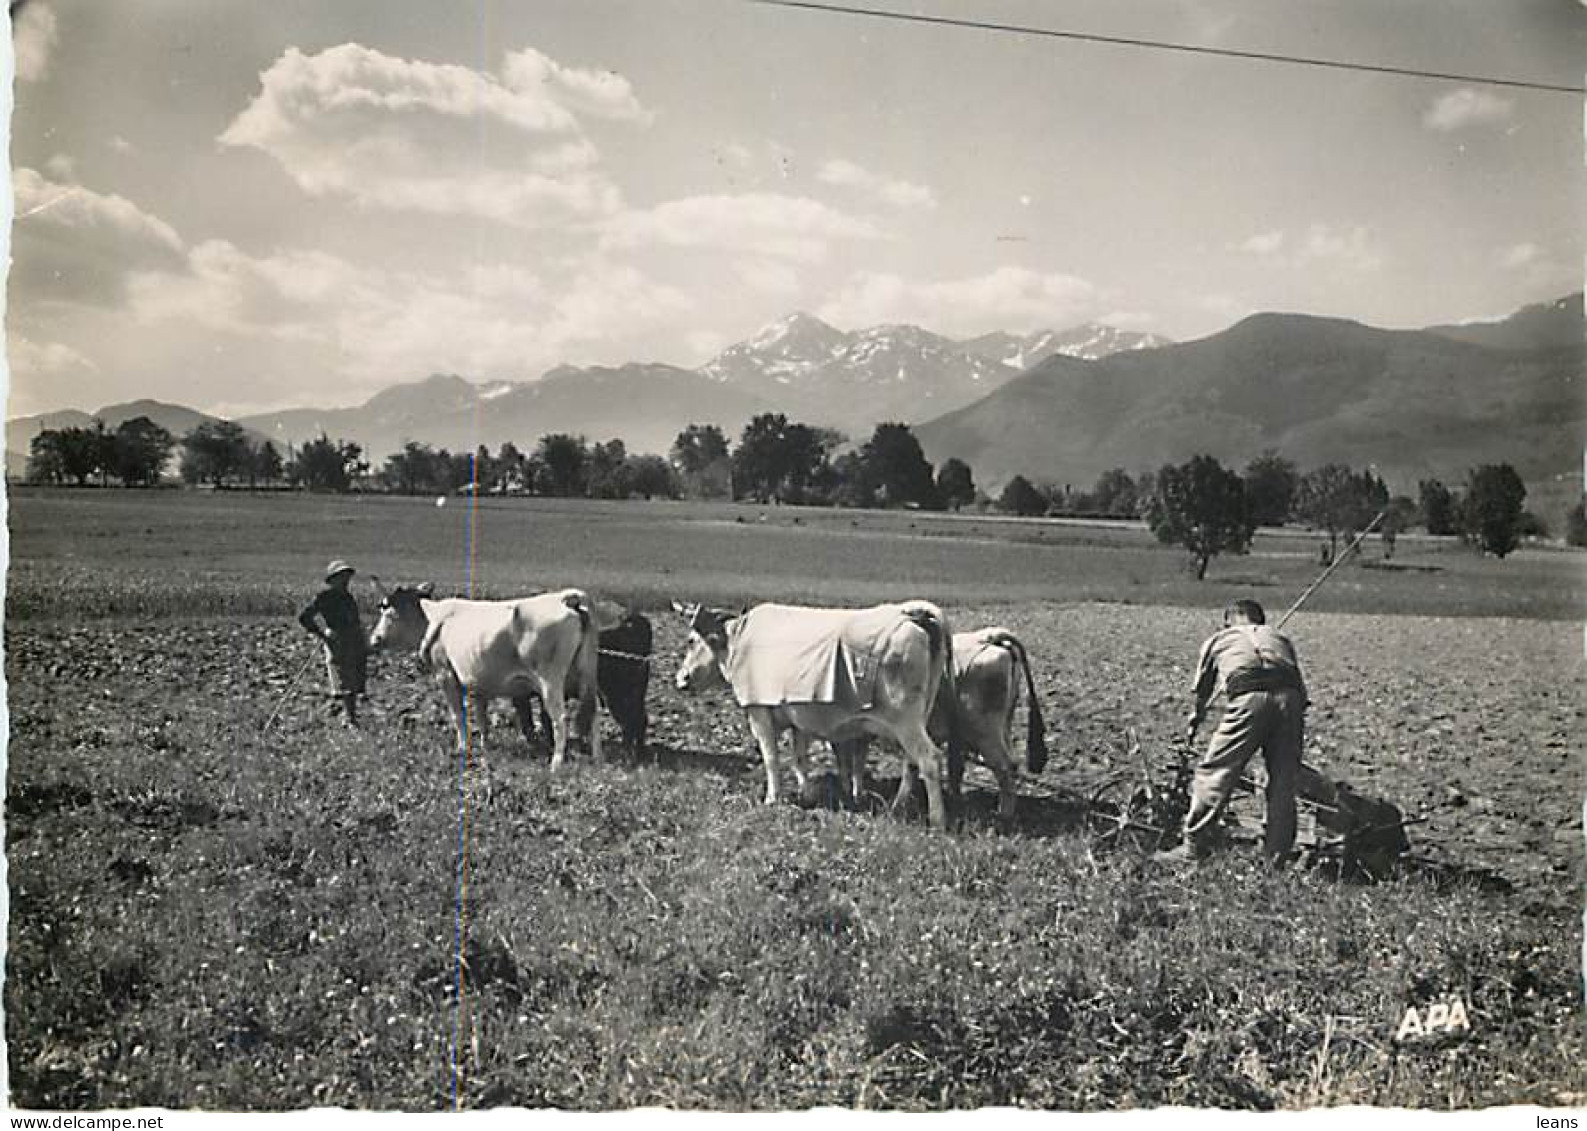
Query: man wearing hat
x=1256, y=668
x=346, y=647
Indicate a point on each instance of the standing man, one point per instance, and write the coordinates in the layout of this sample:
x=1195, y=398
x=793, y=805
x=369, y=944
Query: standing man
x=1265, y=710
x=346, y=647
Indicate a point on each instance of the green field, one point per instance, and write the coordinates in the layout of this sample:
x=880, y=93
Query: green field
x=208, y=911
x=122, y=552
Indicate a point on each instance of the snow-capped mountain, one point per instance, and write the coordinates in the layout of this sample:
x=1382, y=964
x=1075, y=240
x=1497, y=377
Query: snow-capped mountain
x=785, y=352
x=1090, y=342
x=807, y=368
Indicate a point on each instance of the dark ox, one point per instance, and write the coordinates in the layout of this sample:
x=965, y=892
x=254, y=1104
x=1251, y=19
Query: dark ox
x=623, y=679
x=836, y=674
x=482, y=650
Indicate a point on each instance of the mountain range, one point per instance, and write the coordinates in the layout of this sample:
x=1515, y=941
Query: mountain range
x=800, y=366
x=1414, y=403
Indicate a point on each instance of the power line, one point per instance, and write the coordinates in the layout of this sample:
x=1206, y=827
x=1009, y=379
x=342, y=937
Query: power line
x=1165, y=45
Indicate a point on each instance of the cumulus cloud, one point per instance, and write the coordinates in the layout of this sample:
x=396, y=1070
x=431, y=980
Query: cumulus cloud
x=1536, y=268
x=490, y=320
x=1350, y=247
x=770, y=276
x=1466, y=107
x=32, y=360
x=404, y=134
x=599, y=94
x=767, y=224
x=1011, y=298
x=890, y=190
x=703, y=345
x=1519, y=256
x=33, y=35
x=1263, y=243
x=1128, y=319
x=73, y=244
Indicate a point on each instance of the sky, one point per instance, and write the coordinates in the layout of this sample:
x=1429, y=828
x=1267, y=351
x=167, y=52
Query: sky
x=240, y=206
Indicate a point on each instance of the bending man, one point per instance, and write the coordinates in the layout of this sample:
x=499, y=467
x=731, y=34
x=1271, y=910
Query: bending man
x=1265, y=710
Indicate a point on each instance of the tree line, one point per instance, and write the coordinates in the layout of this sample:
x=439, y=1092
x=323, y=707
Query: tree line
x=1208, y=509
x=1200, y=505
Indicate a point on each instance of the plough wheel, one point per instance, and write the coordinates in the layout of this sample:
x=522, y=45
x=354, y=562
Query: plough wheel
x=1123, y=811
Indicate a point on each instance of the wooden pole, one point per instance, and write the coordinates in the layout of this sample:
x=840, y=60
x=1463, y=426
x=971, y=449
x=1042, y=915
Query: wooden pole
x=1335, y=564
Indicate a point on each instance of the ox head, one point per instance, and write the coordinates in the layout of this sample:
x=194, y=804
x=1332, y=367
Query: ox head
x=402, y=620
x=701, y=665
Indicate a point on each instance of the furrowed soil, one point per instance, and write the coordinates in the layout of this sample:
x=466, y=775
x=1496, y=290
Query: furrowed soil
x=220, y=898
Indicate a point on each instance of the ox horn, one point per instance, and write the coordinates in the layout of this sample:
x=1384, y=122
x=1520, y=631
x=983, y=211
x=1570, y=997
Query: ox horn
x=380, y=586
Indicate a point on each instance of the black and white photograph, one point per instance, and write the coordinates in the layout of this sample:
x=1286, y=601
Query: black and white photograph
x=918, y=556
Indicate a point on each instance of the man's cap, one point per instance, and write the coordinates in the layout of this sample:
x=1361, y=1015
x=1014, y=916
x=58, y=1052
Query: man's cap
x=336, y=567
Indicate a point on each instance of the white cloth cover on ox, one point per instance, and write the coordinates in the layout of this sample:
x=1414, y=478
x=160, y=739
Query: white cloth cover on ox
x=781, y=654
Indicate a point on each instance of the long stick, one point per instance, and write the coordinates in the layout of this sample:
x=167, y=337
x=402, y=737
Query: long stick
x=287, y=694
x=1335, y=564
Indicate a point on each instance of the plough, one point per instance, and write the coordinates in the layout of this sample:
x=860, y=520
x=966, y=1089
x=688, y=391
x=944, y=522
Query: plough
x=1143, y=808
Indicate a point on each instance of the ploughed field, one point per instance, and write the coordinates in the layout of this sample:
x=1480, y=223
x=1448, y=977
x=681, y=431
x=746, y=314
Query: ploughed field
x=211, y=907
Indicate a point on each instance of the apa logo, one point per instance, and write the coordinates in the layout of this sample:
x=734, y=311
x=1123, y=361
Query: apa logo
x=1439, y=1018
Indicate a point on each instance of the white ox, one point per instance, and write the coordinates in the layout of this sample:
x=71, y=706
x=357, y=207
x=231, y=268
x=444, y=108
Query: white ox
x=987, y=666
x=837, y=674
x=481, y=650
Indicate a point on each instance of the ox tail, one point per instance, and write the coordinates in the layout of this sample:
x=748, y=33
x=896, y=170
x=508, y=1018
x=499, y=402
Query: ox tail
x=579, y=602
x=1036, y=731
x=931, y=619
x=589, y=627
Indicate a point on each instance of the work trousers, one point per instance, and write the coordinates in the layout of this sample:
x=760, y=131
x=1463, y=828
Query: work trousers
x=1272, y=722
x=346, y=663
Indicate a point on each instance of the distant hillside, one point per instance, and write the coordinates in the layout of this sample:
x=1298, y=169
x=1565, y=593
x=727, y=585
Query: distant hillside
x=644, y=405
x=1546, y=325
x=1415, y=403
x=177, y=419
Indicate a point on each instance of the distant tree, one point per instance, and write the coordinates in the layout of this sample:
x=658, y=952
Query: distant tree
x=1576, y=525
x=698, y=447
x=1201, y=506
x=1270, y=483
x=1532, y=525
x=1021, y=497
x=1437, y=506
x=45, y=461
x=563, y=460
x=1340, y=501
x=894, y=463
x=1491, y=512
x=955, y=483
x=264, y=464
x=1145, y=489
x=780, y=459
x=510, y=471
x=80, y=453
x=649, y=476
x=1114, y=493
x=852, y=485
x=604, y=473
x=411, y=471
x=324, y=464
x=104, y=451
x=215, y=452
x=139, y=449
